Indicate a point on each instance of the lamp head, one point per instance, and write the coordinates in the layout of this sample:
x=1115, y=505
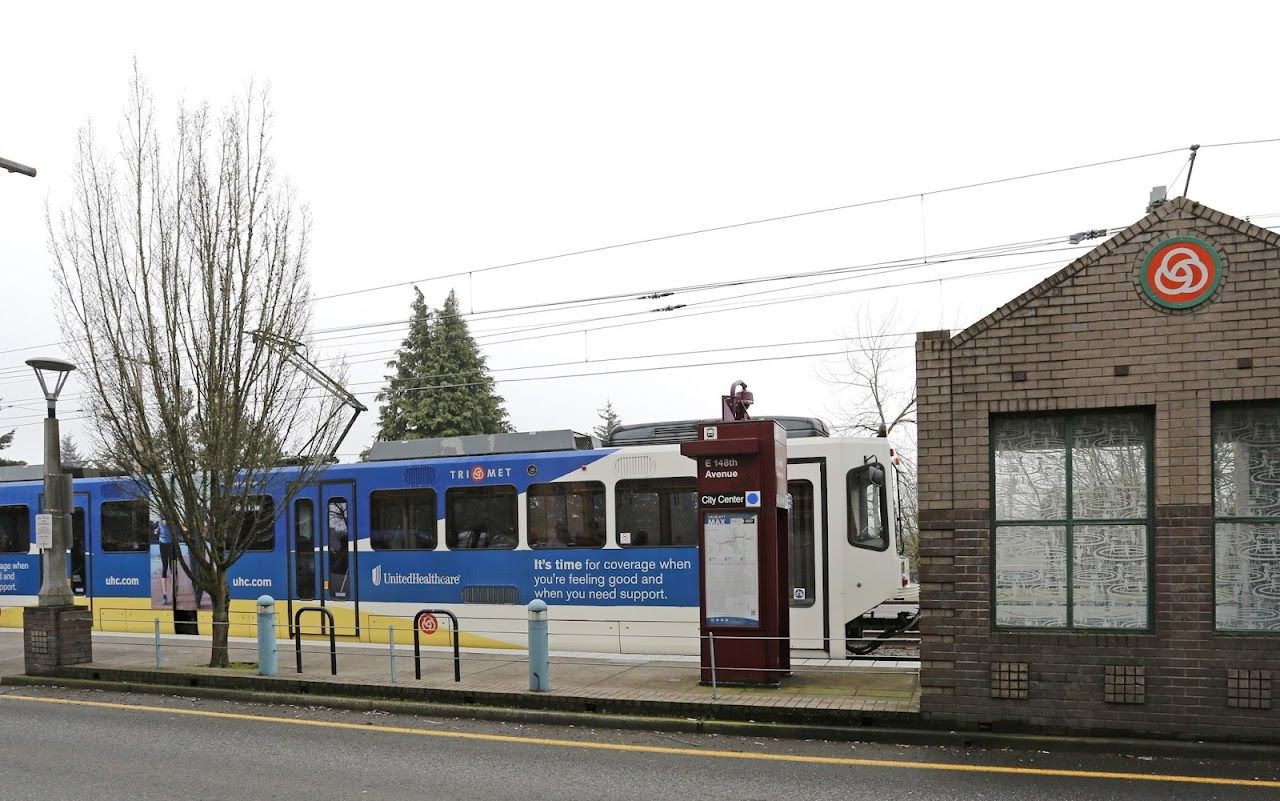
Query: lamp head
x=51, y=364
x=59, y=367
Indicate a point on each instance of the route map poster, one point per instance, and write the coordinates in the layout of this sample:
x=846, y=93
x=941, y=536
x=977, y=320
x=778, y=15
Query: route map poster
x=730, y=561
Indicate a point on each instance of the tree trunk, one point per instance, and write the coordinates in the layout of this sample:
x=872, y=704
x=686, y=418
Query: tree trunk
x=218, y=657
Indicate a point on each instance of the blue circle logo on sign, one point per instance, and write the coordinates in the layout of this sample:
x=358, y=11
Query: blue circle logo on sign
x=753, y=499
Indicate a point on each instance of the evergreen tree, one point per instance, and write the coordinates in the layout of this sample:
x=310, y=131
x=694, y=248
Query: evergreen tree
x=441, y=386
x=462, y=399
x=400, y=416
x=609, y=420
x=71, y=456
x=5, y=441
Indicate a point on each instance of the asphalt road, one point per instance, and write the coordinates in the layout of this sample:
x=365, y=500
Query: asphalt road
x=61, y=744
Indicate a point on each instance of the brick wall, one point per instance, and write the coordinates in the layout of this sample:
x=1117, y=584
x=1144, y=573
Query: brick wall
x=1088, y=338
x=54, y=636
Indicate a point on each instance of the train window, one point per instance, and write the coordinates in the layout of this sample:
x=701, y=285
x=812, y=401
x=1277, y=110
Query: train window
x=15, y=529
x=78, y=579
x=126, y=526
x=257, y=523
x=304, y=541
x=339, y=533
x=402, y=520
x=803, y=561
x=480, y=518
x=657, y=511
x=566, y=515
x=867, y=508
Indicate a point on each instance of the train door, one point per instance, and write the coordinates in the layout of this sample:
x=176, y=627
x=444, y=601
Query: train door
x=79, y=556
x=808, y=555
x=321, y=549
x=304, y=547
x=338, y=545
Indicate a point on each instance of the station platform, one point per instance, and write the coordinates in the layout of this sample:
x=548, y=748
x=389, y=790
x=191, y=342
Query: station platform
x=819, y=691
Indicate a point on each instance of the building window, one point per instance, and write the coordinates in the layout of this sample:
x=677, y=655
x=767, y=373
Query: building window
x=1246, y=512
x=1072, y=520
x=566, y=515
x=402, y=520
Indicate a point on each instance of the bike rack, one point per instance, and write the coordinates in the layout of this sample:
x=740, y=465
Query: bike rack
x=333, y=644
x=417, y=640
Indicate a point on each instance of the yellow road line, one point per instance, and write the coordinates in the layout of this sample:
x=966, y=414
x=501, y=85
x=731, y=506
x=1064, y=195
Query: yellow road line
x=658, y=749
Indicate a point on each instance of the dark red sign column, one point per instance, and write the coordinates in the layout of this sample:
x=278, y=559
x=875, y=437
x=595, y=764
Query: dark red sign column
x=742, y=534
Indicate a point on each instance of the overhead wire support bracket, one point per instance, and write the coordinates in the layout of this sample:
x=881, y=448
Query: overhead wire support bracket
x=289, y=350
x=1191, y=166
x=1093, y=233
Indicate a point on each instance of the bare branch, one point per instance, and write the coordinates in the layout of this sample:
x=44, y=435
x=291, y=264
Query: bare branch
x=167, y=257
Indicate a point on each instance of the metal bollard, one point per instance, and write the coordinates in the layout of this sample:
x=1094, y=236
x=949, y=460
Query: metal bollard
x=711, y=635
x=267, y=636
x=391, y=647
x=158, y=665
x=539, y=660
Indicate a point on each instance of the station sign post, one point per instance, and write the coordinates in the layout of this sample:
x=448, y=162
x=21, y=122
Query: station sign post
x=742, y=535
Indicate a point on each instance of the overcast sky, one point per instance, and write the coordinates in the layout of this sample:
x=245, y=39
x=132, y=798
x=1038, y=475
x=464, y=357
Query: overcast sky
x=432, y=139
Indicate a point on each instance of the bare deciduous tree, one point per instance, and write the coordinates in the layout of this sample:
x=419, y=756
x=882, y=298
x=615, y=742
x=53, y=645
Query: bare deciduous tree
x=877, y=395
x=875, y=379
x=168, y=256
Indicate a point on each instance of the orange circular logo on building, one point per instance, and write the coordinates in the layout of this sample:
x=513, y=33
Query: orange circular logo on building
x=1181, y=272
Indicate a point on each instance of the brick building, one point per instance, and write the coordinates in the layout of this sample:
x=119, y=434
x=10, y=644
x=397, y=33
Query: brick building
x=1100, y=492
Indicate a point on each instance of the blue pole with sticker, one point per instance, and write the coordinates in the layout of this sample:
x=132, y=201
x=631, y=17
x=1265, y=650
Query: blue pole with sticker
x=267, y=636
x=539, y=656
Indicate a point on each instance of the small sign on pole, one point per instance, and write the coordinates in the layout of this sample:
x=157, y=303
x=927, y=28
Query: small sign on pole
x=44, y=531
x=428, y=624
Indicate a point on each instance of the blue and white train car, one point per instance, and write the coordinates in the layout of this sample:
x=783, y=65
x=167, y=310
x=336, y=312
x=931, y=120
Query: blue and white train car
x=480, y=526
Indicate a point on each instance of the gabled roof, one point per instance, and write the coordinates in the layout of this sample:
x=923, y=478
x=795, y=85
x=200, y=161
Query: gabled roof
x=1179, y=207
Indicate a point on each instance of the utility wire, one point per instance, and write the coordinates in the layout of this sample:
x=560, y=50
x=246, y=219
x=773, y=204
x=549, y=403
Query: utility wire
x=846, y=271
x=422, y=377
x=383, y=354
x=778, y=218
x=731, y=226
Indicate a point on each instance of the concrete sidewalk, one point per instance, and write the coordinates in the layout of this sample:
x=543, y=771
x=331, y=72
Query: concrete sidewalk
x=820, y=692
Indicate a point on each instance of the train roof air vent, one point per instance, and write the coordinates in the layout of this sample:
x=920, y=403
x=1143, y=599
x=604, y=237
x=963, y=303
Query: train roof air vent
x=480, y=445
x=687, y=430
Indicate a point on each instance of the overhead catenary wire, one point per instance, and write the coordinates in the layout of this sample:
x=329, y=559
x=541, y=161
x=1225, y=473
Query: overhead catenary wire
x=776, y=218
x=17, y=369
x=631, y=357
x=563, y=376
x=701, y=351
x=848, y=271
x=759, y=221
x=755, y=304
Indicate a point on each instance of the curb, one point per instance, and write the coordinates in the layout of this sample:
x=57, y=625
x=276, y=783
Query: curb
x=305, y=687
x=655, y=721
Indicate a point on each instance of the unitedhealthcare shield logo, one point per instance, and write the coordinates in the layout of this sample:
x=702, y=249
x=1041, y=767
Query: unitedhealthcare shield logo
x=377, y=576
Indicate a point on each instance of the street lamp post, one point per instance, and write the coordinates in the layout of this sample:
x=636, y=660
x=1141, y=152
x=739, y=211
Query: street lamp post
x=54, y=589
x=21, y=169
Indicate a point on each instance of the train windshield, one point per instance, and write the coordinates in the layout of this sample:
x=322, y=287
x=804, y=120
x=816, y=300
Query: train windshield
x=867, y=505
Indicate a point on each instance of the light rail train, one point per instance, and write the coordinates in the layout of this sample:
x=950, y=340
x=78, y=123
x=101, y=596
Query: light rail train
x=605, y=534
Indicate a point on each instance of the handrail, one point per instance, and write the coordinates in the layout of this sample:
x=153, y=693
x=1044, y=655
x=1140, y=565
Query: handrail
x=297, y=636
x=417, y=640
